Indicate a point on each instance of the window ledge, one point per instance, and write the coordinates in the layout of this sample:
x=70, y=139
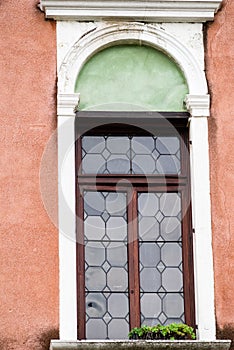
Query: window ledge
x=131, y=10
x=140, y=344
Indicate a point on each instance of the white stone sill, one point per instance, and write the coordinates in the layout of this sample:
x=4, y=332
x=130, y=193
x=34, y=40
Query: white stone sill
x=140, y=345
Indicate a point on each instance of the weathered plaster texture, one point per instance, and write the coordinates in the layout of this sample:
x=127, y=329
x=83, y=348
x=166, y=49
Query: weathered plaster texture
x=220, y=73
x=28, y=239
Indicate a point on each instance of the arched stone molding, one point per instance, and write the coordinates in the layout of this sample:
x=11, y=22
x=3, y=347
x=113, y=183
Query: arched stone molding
x=142, y=34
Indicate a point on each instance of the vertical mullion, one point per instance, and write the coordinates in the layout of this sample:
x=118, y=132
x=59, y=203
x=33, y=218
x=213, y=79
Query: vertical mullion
x=187, y=235
x=80, y=251
x=133, y=260
x=187, y=251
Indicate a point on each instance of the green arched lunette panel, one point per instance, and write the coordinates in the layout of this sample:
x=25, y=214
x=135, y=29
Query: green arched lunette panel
x=130, y=77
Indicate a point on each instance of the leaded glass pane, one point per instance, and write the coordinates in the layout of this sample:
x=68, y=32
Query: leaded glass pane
x=173, y=305
x=159, y=216
x=107, y=315
x=116, y=228
x=106, y=273
x=149, y=254
x=150, y=279
x=131, y=155
x=118, y=329
x=96, y=329
x=117, y=254
x=117, y=279
x=160, y=248
x=172, y=279
x=94, y=253
x=150, y=305
x=148, y=228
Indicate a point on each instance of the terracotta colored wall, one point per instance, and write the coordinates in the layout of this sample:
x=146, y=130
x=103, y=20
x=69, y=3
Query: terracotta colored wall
x=220, y=73
x=28, y=239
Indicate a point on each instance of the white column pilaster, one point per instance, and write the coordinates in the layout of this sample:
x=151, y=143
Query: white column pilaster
x=200, y=191
x=67, y=216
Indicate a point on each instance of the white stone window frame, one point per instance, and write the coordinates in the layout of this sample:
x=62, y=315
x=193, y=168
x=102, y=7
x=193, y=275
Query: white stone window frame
x=71, y=58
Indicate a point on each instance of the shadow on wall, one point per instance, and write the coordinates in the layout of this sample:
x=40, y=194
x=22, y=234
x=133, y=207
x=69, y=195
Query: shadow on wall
x=40, y=341
x=227, y=332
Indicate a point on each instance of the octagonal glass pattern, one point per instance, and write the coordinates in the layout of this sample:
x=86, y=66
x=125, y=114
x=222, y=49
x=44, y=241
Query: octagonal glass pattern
x=106, y=261
x=131, y=155
x=160, y=251
x=106, y=265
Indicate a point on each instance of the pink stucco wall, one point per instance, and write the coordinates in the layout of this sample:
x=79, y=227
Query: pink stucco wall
x=220, y=74
x=28, y=239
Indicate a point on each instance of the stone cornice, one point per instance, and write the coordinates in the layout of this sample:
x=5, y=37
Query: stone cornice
x=131, y=10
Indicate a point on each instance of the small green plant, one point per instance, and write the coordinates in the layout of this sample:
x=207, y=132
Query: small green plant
x=173, y=331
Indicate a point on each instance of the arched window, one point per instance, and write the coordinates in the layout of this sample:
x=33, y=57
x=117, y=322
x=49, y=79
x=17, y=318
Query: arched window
x=134, y=245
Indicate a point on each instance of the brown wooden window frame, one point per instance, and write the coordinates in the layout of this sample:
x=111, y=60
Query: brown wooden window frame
x=119, y=124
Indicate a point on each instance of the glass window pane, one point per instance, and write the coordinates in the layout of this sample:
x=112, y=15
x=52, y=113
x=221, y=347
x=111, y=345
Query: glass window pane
x=95, y=279
x=173, y=306
x=95, y=305
x=118, y=164
x=160, y=254
x=143, y=164
x=150, y=279
x=149, y=254
x=148, y=204
x=117, y=254
x=143, y=145
x=118, y=144
x=117, y=279
x=118, y=329
x=171, y=229
x=109, y=313
x=116, y=228
x=167, y=145
x=94, y=203
x=116, y=204
x=151, y=305
x=168, y=165
x=93, y=144
x=118, y=305
x=130, y=155
x=172, y=279
x=96, y=329
x=148, y=228
x=94, y=254
x=94, y=228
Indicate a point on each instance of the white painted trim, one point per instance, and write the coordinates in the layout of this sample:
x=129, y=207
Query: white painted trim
x=198, y=105
x=131, y=10
x=67, y=226
x=203, y=258
x=138, y=33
